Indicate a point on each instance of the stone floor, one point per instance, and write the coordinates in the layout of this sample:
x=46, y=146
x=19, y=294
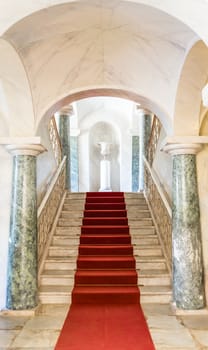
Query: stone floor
x=41, y=332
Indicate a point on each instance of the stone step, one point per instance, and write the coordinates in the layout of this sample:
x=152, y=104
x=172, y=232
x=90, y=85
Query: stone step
x=56, y=251
x=154, y=278
x=155, y=294
x=61, y=294
x=150, y=262
x=69, y=263
x=62, y=263
x=64, y=240
x=71, y=231
x=55, y=294
x=143, y=221
x=141, y=240
x=147, y=251
x=72, y=212
x=133, y=195
x=136, y=239
x=66, y=277
x=62, y=251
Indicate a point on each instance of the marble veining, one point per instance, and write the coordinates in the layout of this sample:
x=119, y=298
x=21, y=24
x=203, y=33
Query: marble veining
x=22, y=260
x=145, y=130
x=188, y=284
x=135, y=163
x=64, y=133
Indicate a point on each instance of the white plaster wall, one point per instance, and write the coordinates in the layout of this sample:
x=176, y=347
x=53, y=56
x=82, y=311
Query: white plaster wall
x=5, y=201
x=162, y=165
x=46, y=163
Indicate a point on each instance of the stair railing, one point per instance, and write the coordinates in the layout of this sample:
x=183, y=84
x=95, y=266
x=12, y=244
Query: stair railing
x=161, y=211
x=49, y=211
x=153, y=141
x=55, y=140
x=156, y=197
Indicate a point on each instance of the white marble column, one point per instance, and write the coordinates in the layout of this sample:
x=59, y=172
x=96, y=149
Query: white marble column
x=22, y=257
x=187, y=262
x=145, y=119
x=64, y=132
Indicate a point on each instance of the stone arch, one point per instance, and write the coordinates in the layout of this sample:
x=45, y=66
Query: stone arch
x=109, y=92
x=193, y=77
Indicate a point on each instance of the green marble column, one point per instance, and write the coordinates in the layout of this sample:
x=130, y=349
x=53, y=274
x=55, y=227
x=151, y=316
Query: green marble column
x=22, y=257
x=145, y=122
x=74, y=163
x=188, y=274
x=188, y=277
x=135, y=163
x=64, y=133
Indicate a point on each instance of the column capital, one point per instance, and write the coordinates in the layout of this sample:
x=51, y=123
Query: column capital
x=30, y=146
x=142, y=111
x=67, y=111
x=183, y=144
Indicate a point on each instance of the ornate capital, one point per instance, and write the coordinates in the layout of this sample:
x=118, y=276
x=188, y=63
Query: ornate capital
x=30, y=146
x=142, y=111
x=183, y=144
x=67, y=111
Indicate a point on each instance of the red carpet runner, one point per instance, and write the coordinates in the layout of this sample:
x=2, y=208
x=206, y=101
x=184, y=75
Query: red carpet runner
x=105, y=311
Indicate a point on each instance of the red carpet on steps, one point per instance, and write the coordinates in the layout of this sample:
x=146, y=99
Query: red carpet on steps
x=105, y=311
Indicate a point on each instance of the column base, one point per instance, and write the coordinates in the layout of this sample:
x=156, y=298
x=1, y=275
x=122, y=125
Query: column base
x=14, y=313
x=180, y=312
x=105, y=190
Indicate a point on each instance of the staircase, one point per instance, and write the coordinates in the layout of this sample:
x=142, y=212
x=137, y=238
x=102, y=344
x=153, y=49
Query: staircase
x=57, y=278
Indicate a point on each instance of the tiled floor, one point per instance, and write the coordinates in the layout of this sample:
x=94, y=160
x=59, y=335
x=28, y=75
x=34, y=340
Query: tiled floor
x=41, y=332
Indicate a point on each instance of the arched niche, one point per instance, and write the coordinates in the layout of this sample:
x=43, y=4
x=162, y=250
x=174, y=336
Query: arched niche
x=104, y=132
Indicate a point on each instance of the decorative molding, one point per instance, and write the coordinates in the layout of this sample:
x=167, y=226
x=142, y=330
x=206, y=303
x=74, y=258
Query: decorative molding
x=67, y=111
x=25, y=149
x=183, y=144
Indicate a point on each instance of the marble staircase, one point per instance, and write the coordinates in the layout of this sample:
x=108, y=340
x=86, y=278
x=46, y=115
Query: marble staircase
x=57, y=278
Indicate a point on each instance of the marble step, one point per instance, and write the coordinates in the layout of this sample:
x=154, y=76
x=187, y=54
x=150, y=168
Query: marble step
x=72, y=212
x=147, y=251
x=155, y=294
x=64, y=240
x=62, y=251
x=154, y=277
x=67, y=221
x=61, y=263
x=141, y=240
x=61, y=294
x=150, y=262
x=66, y=277
x=69, y=263
x=133, y=195
x=55, y=294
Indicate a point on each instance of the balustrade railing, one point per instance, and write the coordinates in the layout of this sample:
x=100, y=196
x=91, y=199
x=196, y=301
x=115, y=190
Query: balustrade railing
x=153, y=141
x=55, y=140
x=48, y=210
x=160, y=209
